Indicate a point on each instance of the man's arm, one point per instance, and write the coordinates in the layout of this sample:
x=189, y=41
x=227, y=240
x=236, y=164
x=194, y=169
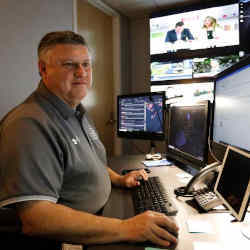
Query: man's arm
x=189, y=35
x=47, y=219
x=128, y=180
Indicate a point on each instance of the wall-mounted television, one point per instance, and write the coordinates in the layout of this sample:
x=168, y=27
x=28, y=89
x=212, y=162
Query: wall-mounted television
x=193, y=92
x=212, y=66
x=171, y=70
x=214, y=27
x=183, y=69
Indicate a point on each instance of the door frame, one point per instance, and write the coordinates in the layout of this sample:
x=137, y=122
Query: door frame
x=117, y=74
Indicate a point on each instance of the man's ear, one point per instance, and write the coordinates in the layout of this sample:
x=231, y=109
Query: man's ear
x=42, y=67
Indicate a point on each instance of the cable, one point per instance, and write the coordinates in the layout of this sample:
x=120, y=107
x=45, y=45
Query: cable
x=209, y=146
x=209, y=136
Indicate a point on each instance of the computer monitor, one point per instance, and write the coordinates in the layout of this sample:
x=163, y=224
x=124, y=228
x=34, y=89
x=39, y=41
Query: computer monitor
x=233, y=182
x=231, y=106
x=229, y=21
x=193, y=91
x=141, y=116
x=188, y=133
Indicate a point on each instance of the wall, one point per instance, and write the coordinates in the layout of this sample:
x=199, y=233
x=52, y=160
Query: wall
x=140, y=58
x=140, y=76
x=23, y=23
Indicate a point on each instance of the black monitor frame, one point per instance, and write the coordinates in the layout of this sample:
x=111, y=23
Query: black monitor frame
x=184, y=157
x=144, y=135
x=233, y=183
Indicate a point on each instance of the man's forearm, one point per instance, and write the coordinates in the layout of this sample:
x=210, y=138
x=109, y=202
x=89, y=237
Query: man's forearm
x=116, y=179
x=42, y=218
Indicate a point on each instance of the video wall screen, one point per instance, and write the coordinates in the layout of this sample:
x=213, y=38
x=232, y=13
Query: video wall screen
x=192, y=92
x=209, y=67
x=193, y=30
x=162, y=71
x=191, y=68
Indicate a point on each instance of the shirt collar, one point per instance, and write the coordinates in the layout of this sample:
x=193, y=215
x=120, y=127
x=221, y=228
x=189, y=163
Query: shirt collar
x=65, y=110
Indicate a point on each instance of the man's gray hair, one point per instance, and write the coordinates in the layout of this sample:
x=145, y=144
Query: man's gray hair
x=59, y=37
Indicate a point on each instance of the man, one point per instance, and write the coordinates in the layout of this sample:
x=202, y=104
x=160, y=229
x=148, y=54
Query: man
x=53, y=166
x=179, y=33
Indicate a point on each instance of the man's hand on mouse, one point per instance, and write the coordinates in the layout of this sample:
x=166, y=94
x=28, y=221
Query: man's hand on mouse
x=133, y=178
x=153, y=226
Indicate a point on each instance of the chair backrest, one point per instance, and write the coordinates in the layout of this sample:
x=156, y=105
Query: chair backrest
x=9, y=220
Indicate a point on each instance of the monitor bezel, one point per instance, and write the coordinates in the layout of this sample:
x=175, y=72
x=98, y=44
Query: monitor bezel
x=182, y=156
x=244, y=205
x=143, y=135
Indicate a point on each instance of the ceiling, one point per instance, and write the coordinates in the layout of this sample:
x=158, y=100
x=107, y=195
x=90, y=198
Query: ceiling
x=139, y=8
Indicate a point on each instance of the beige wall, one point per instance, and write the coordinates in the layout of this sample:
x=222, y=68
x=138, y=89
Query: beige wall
x=96, y=27
x=140, y=58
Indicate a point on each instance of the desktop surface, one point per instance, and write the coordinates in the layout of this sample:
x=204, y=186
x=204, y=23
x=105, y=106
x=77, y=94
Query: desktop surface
x=217, y=231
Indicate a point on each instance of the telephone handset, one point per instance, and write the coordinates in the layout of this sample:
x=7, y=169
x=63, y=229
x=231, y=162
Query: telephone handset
x=206, y=176
x=201, y=187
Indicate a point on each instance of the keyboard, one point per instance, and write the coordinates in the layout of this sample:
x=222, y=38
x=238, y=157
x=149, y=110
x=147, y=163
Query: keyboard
x=151, y=195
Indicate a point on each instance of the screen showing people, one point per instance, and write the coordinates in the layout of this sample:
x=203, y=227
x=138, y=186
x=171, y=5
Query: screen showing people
x=141, y=113
x=198, y=29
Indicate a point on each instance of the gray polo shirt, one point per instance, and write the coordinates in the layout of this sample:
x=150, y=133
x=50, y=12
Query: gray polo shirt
x=49, y=151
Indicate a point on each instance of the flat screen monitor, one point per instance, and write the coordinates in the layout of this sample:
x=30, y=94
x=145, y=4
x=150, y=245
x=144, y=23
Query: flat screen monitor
x=198, y=68
x=141, y=116
x=231, y=106
x=233, y=182
x=194, y=92
x=188, y=132
x=212, y=66
x=222, y=25
x=173, y=70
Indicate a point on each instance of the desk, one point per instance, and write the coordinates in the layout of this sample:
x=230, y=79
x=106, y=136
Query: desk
x=224, y=234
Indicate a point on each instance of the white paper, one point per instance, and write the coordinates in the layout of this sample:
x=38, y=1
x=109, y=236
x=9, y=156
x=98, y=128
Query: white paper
x=200, y=245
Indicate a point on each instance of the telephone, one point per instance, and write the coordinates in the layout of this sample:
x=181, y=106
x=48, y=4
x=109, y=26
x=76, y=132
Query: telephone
x=201, y=187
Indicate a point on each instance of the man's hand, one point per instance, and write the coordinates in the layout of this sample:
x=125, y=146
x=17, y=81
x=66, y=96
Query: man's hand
x=133, y=178
x=150, y=226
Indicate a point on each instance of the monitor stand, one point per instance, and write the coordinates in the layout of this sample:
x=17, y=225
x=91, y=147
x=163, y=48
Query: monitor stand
x=152, y=155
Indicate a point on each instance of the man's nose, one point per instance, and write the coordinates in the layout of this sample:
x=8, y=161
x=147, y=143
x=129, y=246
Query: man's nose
x=80, y=71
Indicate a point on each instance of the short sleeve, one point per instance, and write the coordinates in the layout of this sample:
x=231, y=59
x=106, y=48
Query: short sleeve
x=31, y=165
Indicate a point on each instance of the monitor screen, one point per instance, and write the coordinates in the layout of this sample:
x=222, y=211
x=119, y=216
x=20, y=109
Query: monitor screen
x=212, y=66
x=175, y=70
x=188, y=132
x=231, y=109
x=141, y=116
x=193, y=92
x=233, y=182
x=204, y=27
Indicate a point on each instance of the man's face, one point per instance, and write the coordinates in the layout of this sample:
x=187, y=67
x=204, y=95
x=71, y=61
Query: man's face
x=67, y=72
x=179, y=29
